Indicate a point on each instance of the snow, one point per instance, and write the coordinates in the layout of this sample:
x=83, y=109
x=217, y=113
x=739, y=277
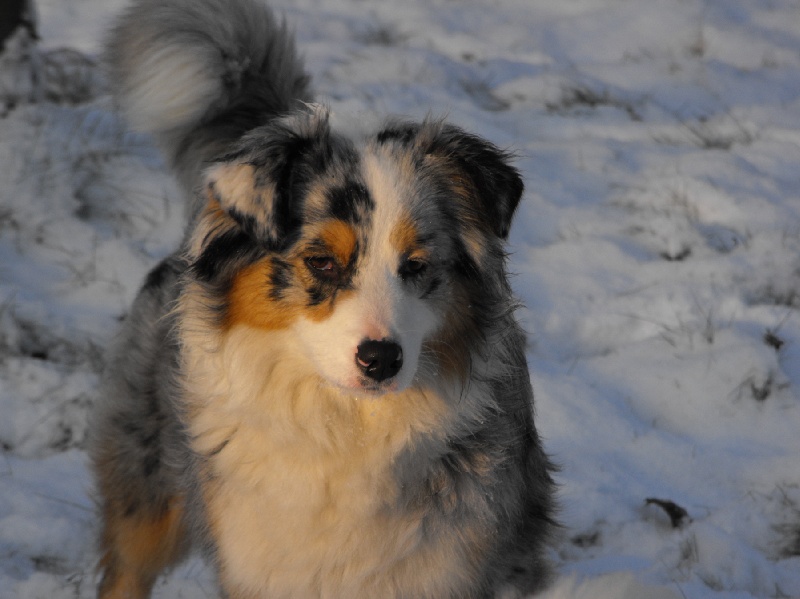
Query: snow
x=657, y=252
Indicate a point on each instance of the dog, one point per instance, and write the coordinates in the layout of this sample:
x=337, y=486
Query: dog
x=325, y=387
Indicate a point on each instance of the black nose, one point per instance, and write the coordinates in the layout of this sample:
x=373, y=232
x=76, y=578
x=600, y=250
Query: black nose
x=379, y=360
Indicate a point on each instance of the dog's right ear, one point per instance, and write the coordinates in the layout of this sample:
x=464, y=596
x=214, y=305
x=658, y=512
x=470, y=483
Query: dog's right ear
x=254, y=202
x=262, y=182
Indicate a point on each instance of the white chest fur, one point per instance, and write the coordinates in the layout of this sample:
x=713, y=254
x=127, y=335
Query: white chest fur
x=300, y=499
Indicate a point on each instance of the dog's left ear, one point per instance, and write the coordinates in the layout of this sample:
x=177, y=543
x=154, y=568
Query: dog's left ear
x=487, y=175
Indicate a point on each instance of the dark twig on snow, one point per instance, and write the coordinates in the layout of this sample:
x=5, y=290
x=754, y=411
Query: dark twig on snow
x=678, y=516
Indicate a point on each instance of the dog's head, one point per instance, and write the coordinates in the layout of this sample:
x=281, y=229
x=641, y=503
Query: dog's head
x=383, y=257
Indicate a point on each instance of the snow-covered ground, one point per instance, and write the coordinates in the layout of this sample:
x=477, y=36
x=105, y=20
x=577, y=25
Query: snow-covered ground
x=657, y=252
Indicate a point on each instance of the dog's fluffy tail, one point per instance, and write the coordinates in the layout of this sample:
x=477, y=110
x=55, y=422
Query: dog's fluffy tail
x=197, y=74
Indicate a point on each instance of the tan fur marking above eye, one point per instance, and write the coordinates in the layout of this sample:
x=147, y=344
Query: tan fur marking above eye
x=340, y=239
x=404, y=237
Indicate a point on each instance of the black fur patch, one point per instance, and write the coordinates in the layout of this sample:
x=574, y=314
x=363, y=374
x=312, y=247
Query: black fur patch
x=316, y=295
x=348, y=202
x=290, y=161
x=291, y=177
x=158, y=276
x=247, y=222
x=233, y=248
x=401, y=132
x=434, y=284
x=285, y=160
x=151, y=464
x=280, y=278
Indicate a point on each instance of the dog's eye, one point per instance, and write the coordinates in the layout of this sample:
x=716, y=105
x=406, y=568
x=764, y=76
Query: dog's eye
x=323, y=266
x=412, y=267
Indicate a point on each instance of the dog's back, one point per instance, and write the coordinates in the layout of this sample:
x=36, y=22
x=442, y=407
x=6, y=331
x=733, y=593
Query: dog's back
x=325, y=387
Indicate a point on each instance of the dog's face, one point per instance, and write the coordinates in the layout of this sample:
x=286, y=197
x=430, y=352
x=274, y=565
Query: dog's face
x=378, y=257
